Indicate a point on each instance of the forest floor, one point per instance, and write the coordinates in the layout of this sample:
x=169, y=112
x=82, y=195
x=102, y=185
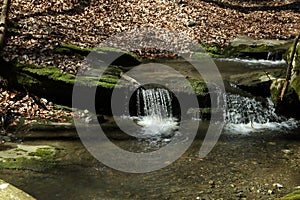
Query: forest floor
x=37, y=28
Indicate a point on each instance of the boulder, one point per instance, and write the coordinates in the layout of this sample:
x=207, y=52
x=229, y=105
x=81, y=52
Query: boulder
x=10, y=192
x=257, y=82
x=244, y=46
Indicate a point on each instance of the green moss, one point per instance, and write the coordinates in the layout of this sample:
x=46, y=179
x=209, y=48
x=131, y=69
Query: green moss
x=199, y=87
x=70, y=49
x=296, y=86
x=50, y=72
x=25, y=79
x=292, y=196
x=41, y=159
x=210, y=50
x=287, y=55
x=26, y=163
x=43, y=153
x=42, y=73
x=255, y=49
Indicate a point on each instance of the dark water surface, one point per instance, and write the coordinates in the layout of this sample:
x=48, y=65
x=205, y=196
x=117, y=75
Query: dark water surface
x=239, y=166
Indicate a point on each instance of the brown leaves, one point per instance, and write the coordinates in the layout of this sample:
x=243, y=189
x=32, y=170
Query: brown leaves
x=45, y=24
x=30, y=107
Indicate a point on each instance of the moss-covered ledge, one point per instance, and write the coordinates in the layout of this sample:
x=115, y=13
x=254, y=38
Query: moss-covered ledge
x=244, y=46
x=257, y=82
x=49, y=82
x=125, y=59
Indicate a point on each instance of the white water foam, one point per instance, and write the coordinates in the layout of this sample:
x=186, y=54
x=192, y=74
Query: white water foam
x=250, y=62
x=245, y=115
x=156, y=126
x=257, y=127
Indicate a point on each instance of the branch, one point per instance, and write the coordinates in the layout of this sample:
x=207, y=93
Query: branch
x=289, y=69
x=3, y=17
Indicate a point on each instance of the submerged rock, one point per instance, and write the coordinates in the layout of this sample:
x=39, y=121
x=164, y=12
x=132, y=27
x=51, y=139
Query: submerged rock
x=37, y=158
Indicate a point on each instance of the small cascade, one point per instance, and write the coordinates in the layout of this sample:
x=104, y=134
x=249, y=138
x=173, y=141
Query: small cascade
x=244, y=115
x=154, y=110
x=154, y=102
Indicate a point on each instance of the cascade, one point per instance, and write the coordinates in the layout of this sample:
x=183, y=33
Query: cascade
x=244, y=115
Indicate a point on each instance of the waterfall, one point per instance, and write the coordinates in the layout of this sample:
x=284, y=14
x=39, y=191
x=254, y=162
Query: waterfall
x=155, y=102
x=154, y=109
x=244, y=115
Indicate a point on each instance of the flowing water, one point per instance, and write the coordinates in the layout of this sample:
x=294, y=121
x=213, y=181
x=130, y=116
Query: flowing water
x=245, y=115
x=239, y=166
x=155, y=112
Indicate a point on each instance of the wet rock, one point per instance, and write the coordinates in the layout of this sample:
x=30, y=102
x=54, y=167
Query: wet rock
x=258, y=82
x=9, y=192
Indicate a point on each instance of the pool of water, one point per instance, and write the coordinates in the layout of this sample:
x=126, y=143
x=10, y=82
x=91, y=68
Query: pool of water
x=238, y=166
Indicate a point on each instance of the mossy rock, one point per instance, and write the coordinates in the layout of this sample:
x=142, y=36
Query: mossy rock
x=289, y=104
x=295, y=84
x=199, y=86
x=292, y=196
x=103, y=54
x=203, y=49
x=257, y=82
x=44, y=81
x=244, y=46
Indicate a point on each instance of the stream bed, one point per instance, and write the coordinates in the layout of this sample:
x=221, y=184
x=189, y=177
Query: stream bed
x=262, y=165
